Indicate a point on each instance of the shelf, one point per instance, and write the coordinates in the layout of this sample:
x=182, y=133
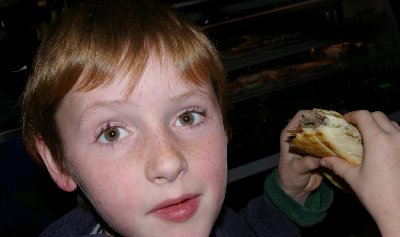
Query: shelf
x=312, y=74
x=242, y=11
x=268, y=54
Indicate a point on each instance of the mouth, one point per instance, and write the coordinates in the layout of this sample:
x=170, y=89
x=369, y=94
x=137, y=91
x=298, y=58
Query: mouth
x=177, y=210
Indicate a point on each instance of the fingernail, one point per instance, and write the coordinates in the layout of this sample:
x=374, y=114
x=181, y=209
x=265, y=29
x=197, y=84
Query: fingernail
x=324, y=163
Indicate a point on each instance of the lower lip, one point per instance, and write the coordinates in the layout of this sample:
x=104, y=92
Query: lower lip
x=179, y=212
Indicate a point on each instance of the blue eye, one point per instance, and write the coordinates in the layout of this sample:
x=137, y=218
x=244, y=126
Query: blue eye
x=112, y=134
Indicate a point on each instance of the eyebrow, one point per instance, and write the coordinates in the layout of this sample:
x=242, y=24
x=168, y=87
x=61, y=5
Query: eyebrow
x=190, y=94
x=86, y=113
x=112, y=103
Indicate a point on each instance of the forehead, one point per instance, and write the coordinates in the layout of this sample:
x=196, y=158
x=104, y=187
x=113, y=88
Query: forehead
x=157, y=60
x=159, y=79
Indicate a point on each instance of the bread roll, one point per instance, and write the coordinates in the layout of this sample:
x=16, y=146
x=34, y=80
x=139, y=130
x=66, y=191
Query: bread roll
x=323, y=133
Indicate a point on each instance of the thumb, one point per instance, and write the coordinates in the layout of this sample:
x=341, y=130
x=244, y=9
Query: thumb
x=339, y=166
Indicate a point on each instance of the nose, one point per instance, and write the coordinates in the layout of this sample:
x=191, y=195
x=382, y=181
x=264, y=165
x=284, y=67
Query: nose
x=165, y=161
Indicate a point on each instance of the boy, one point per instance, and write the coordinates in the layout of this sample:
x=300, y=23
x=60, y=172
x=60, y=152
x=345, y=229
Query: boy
x=132, y=115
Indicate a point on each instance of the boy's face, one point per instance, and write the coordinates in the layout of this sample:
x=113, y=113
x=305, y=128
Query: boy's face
x=152, y=164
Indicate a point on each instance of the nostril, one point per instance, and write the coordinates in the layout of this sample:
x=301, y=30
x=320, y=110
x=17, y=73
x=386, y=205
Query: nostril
x=160, y=180
x=165, y=167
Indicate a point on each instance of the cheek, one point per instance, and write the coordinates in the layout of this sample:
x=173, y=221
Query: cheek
x=112, y=193
x=103, y=180
x=216, y=158
x=215, y=172
x=214, y=162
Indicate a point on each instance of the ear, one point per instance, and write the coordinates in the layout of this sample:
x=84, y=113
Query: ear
x=60, y=177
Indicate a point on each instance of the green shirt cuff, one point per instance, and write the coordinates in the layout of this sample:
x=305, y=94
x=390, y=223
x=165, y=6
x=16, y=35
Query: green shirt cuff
x=312, y=212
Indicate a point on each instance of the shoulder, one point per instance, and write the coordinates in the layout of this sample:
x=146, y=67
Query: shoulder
x=258, y=218
x=77, y=222
x=230, y=224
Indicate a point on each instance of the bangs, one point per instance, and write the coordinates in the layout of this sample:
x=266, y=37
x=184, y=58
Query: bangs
x=122, y=52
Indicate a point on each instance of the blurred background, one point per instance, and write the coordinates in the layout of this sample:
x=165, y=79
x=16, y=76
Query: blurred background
x=280, y=56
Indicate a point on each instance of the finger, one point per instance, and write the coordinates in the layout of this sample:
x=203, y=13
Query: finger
x=384, y=122
x=339, y=166
x=314, y=183
x=294, y=122
x=364, y=121
x=308, y=164
x=396, y=124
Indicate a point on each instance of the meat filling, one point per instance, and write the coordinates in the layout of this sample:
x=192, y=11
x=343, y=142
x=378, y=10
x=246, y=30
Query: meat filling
x=309, y=119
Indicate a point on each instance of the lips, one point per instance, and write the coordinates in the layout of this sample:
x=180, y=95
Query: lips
x=177, y=210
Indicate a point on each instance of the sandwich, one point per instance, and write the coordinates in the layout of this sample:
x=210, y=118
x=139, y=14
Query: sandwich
x=323, y=133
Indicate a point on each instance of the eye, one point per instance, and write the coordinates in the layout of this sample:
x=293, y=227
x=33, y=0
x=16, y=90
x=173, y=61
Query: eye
x=190, y=118
x=111, y=134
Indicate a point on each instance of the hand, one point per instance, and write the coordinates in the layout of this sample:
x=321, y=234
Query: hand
x=377, y=180
x=297, y=175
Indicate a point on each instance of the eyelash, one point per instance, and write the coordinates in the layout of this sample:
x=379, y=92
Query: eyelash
x=194, y=109
x=106, y=127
